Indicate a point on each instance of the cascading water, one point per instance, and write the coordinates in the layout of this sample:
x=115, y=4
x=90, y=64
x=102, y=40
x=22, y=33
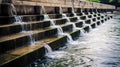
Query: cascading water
x=86, y=17
x=75, y=14
x=18, y=20
x=65, y=16
x=69, y=37
x=69, y=22
x=46, y=17
x=13, y=11
x=59, y=29
x=78, y=18
x=48, y=49
x=90, y=27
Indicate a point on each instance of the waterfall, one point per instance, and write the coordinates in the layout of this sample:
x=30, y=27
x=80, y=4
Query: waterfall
x=86, y=17
x=48, y=49
x=65, y=16
x=90, y=27
x=18, y=20
x=32, y=38
x=69, y=37
x=82, y=32
x=52, y=22
x=78, y=18
x=69, y=22
x=75, y=14
x=14, y=11
x=59, y=29
x=46, y=17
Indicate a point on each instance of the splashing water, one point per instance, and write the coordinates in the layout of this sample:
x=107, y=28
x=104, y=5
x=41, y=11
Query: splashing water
x=18, y=20
x=46, y=17
x=14, y=11
x=48, y=48
x=59, y=29
x=99, y=48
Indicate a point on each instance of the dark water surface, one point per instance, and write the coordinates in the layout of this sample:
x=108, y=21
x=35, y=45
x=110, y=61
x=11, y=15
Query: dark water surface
x=98, y=48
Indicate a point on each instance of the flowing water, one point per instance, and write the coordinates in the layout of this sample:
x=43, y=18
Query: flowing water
x=48, y=48
x=59, y=28
x=19, y=20
x=69, y=22
x=14, y=11
x=98, y=48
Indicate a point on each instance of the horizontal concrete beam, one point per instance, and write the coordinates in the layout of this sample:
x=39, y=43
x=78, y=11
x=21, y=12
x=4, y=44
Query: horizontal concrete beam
x=62, y=3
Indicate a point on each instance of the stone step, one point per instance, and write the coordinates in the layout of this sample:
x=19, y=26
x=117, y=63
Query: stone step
x=18, y=55
x=20, y=39
x=29, y=53
x=25, y=18
x=17, y=28
x=9, y=28
x=28, y=18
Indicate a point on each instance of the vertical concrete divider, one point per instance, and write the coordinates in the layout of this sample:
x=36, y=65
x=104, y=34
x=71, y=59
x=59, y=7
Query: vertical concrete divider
x=78, y=10
x=6, y=9
x=57, y=10
x=69, y=10
x=37, y=10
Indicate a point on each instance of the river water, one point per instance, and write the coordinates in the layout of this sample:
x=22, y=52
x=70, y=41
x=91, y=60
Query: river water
x=98, y=48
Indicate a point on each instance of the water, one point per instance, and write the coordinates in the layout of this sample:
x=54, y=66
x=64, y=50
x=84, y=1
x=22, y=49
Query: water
x=46, y=17
x=69, y=37
x=18, y=20
x=69, y=22
x=14, y=11
x=99, y=48
x=78, y=17
x=75, y=14
x=48, y=48
x=53, y=25
x=59, y=28
x=90, y=27
x=65, y=16
x=32, y=38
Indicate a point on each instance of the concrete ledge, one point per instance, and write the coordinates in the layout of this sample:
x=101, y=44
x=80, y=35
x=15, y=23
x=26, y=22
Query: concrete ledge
x=10, y=29
x=18, y=40
x=36, y=53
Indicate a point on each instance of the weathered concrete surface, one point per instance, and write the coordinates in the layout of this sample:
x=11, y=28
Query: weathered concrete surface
x=31, y=7
x=63, y=3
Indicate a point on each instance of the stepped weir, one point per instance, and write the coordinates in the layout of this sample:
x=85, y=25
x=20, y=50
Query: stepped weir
x=26, y=26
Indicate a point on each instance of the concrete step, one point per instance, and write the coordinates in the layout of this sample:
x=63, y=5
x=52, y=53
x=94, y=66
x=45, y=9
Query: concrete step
x=27, y=26
x=15, y=47
x=37, y=51
x=16, y=28
x=27, y=54
x=34, y=18
x=20, y=39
